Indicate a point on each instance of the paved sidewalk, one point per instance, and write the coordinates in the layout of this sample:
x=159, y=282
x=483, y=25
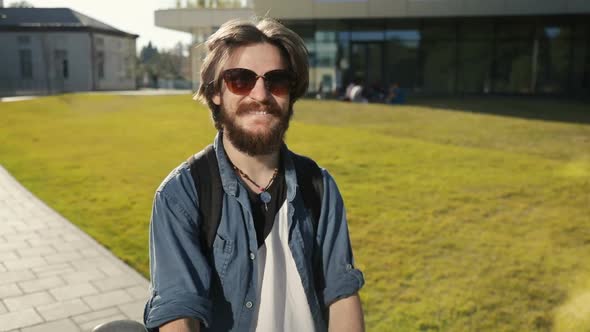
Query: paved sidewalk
x=54, y=277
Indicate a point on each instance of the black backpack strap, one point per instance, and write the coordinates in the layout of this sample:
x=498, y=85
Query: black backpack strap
x=205, y=173
x=311, y=183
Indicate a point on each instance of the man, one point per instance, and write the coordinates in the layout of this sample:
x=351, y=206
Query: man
x=262, y=276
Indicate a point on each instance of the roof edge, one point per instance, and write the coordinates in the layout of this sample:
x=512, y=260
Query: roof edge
x=15, y=28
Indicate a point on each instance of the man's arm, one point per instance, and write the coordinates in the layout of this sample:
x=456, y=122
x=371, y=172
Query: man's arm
x=342, y=281
x=347, y=315
x=181, y=325
x=179, y=271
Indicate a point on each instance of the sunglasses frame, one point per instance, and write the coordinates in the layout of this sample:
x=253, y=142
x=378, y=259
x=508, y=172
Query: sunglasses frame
x=268, y=81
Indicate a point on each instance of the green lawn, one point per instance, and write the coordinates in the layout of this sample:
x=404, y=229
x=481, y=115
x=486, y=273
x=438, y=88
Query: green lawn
x=465, y=215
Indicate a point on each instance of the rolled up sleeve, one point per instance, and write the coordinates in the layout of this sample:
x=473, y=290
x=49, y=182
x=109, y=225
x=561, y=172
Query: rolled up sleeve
x=180, y=273
x=341, y=277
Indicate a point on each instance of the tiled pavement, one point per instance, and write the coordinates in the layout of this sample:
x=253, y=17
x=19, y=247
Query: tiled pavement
x=54, y=277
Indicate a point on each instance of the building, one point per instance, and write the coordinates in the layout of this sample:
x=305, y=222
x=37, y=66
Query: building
x=54, y=50
x=530, y=47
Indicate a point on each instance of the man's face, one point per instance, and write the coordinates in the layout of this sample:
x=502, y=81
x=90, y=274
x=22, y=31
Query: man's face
x=255, y=123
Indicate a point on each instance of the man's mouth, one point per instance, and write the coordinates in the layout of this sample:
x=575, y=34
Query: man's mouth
x=257, y=109
x=259, y=113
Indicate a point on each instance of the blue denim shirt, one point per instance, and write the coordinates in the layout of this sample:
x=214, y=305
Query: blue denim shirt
x=181, y=277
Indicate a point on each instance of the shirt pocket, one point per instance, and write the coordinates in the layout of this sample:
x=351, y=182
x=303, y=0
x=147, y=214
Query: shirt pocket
x=223, y=250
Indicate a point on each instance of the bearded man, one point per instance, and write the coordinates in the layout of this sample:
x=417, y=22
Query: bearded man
x=269, y=268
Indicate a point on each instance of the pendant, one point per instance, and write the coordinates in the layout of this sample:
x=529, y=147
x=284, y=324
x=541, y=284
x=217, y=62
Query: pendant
x=265, y=198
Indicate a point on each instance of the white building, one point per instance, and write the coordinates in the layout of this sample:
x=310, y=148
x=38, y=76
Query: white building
x=54, y=50
x=427, y=46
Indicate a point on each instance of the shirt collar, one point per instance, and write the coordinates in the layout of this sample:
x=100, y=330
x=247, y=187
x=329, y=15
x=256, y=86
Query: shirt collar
x=229, y=178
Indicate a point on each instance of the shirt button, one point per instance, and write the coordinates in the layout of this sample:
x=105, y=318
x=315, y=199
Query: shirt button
x=252, y=256
x=348, y=267
x=249, y=304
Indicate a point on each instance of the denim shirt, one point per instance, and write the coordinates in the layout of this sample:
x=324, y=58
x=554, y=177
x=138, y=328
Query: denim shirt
x=224, y=296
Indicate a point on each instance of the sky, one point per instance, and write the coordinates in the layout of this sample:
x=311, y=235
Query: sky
x=134, y=16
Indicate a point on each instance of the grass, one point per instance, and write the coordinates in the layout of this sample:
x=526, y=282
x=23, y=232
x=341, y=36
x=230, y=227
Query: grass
x=465, y=215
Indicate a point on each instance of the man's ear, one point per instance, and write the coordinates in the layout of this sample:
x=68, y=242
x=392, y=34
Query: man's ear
x=216, y=99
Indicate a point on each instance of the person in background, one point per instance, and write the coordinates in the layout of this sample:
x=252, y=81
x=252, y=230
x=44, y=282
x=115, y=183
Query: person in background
x=356, y=93
x=349, y=89
x=396, y=95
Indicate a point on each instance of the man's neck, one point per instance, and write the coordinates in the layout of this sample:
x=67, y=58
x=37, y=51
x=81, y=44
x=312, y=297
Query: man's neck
x=259, y=168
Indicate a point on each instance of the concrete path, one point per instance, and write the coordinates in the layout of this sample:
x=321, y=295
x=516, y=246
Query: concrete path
x=54, y=277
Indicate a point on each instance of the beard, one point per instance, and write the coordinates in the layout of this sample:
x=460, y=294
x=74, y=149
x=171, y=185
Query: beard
x=258, y=143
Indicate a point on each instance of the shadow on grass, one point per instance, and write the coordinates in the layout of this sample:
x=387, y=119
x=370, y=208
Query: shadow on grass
x=537, y=108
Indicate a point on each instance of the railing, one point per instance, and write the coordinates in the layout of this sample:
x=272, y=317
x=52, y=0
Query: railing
x=205, y=4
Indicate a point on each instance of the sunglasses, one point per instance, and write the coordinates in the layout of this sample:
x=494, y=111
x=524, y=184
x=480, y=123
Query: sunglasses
x=241, y=81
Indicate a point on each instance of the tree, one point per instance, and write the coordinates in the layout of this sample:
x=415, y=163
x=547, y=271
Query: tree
x=21, y=4
x=157, y=64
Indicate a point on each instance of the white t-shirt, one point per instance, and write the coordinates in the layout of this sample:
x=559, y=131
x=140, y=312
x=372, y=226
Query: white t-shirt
x=283, y=304
x=356, y=93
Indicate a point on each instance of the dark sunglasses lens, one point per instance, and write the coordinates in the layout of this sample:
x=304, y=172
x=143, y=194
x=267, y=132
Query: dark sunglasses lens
x=279, y=82
x=239, y=81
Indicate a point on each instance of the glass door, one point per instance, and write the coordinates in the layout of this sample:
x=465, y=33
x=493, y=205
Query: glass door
x=366, y=59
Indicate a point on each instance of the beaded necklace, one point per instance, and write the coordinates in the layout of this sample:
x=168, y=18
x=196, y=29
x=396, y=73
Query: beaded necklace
x=264, y=195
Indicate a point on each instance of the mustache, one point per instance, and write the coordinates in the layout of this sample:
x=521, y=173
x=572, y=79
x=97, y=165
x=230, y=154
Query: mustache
x=256, y=107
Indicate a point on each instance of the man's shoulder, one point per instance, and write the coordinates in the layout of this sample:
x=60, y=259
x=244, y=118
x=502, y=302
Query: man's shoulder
x=301, y=158
x=178, y=182
x=307, y=164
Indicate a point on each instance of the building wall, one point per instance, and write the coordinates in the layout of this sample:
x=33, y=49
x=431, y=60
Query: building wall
x=317, y=9
x=50, y=53
x=114, y=59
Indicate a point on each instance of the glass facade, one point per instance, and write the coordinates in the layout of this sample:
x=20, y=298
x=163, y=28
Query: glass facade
x=210, y=4
x=503, y=55
x=438, y=49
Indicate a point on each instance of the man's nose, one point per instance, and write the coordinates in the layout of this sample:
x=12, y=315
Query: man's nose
x=260, y=92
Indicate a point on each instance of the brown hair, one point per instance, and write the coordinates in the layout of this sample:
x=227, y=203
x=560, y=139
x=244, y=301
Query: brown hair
x=237, y=33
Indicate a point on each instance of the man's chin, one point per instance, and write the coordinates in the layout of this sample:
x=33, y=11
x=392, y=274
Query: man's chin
x=256, y=143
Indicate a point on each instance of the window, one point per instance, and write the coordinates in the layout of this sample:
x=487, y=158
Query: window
x=438, y=31
x=26, y=64
x=515, y=30
x=474, y=66
x=438, y=61
x=100, y=64
x=62, y=69
x=581, y=67
x=476, y=29
x=402, y=62
x=513, y=66
x=553, y=60
x=23, y=40
x=66, y=71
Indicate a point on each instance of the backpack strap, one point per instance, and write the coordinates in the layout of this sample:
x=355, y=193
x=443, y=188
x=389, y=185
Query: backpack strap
x=311, y=183
x=205, y=173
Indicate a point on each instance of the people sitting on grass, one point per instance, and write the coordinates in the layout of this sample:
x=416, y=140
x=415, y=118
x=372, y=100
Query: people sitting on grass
x=396, y=95
x=356, y=92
